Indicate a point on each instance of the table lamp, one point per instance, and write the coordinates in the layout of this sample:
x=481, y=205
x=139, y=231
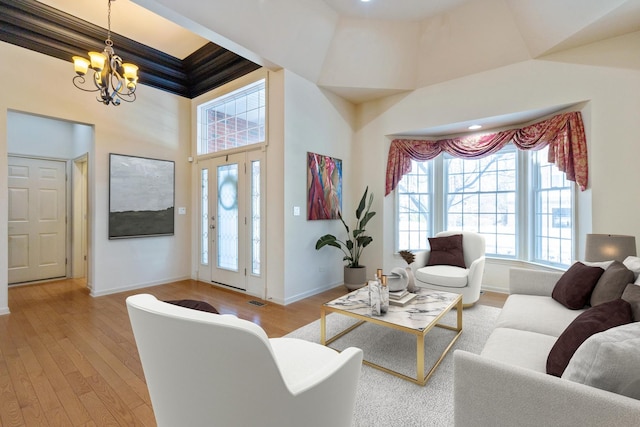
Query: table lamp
x=607, y=247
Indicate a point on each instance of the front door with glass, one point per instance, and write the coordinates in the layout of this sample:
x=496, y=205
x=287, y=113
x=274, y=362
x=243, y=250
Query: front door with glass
x=231, y=221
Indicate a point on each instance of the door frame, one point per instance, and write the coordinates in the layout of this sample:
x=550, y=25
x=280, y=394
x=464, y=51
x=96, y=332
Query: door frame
x=77, y=191
x=79, y=247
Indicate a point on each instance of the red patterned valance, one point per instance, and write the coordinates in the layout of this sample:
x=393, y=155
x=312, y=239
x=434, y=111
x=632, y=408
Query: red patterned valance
x=563, y=133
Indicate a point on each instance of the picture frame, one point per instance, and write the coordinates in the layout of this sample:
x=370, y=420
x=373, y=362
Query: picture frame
x=324, y=187
x=141, y=197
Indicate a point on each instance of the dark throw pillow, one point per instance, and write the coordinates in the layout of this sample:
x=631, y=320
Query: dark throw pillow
x=194, y=304
x=597, y=319
x=611, y=284
x=631, y=295
x=446, y=251
x=574, y=288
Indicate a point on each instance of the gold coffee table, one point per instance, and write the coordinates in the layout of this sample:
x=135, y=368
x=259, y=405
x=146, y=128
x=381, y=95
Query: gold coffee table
x=417, y=317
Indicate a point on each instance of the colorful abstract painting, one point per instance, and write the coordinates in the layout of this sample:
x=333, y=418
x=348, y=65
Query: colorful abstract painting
x=324, y=187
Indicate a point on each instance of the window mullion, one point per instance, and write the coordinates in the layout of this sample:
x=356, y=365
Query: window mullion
x=525, y=216
x=440, y=194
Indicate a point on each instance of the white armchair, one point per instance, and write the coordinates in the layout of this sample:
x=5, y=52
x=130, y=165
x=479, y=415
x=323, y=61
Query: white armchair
x=205, y=369
x=448, y=278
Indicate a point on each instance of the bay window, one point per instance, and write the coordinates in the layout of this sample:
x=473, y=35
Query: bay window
x=516, y=199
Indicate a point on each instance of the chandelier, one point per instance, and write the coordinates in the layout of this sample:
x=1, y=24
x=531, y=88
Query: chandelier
x=113, y=79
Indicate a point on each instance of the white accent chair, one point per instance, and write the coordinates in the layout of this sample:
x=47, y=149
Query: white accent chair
x=205, y=369
x=448, y=278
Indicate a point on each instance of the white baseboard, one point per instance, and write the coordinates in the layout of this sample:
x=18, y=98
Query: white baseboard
x=311, y=292
x=135, y=286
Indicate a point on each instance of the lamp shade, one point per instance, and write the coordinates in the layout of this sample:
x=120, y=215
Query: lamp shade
x=607, y=247
x=81, y=65
x=97, y=61
x=130, y=71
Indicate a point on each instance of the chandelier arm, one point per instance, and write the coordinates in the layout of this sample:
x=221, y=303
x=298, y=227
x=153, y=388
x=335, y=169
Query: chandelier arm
x=82, y=80
x=125, y=96
x=119, y=83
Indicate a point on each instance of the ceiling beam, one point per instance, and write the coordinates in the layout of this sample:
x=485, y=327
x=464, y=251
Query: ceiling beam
x=41, y=28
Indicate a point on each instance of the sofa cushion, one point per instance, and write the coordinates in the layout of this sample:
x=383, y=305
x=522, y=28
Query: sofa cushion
x=536, y=313
x=446, y=251
x=443, y=275
x=596, y=319
x=633, y=264
x=611, y=284
x=574, y=288
x=631, y=295
x=609, y=360
x=520, y=348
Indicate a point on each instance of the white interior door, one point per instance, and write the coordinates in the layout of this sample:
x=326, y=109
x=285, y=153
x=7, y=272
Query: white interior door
x=37, y=219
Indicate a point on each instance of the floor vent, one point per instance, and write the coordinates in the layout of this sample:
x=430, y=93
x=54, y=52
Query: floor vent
x=257, y=303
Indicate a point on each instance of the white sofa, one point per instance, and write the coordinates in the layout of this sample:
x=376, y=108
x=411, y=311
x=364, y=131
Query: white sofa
x=507, y=384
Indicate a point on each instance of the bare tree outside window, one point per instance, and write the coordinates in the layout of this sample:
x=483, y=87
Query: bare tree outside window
x=414, y=207
x=480, y=196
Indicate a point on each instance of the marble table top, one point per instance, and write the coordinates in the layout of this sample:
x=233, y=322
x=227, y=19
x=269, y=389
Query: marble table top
x=417, y=314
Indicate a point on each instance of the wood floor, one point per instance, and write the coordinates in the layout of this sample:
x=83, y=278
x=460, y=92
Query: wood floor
x=67, y=359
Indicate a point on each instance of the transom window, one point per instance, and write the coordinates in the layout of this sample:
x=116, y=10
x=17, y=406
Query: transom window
x=233, y=120
x=517, y=200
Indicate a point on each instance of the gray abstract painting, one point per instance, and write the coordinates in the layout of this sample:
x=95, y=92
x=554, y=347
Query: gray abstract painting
x=141, y=197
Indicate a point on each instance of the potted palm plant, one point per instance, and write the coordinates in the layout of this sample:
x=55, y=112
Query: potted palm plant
x=355, y=274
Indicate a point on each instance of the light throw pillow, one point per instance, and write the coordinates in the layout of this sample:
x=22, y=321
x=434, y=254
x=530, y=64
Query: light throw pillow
x=611, y=284
x=602, y=264
x=446, y=251
x=631, y=295
x=573, y=289
x=609, y=360
x=633, y=264
x=596, y=319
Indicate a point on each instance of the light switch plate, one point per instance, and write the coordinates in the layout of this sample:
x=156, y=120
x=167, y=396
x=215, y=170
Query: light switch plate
x=296, y=211
x=182, y=211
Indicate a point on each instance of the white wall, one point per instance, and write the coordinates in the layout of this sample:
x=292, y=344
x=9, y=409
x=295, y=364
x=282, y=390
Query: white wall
x=157, y=125
x=608, y=89
x=37, y=136
x=301, y=118
x=275, y=208
x=320, y=122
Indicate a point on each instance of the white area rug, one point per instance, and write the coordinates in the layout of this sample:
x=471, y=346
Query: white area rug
x=386, y=400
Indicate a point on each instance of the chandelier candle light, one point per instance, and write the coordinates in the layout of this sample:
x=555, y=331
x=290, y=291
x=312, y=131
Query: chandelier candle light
x=114, y=79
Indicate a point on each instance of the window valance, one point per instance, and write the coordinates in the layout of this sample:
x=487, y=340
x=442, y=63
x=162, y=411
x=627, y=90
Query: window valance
x=564, y=133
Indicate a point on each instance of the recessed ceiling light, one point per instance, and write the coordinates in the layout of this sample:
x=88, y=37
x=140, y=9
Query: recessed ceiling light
x=474, y=127
x=364, y=1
